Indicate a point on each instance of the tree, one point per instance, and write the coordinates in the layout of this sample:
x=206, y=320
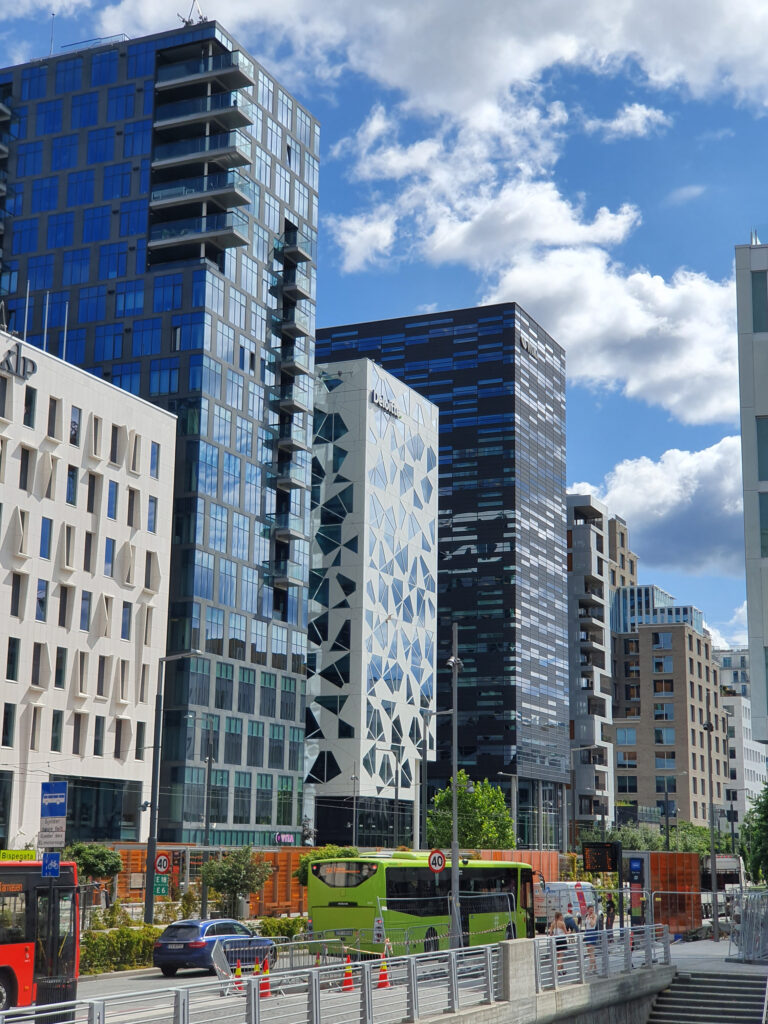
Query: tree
x=238, y=874
x=753, y=838
x=484, y=819
x=329, y=852
x=93, y=860
x=683, y=838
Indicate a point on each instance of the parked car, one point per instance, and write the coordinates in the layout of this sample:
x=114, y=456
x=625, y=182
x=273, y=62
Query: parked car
x=190, y=944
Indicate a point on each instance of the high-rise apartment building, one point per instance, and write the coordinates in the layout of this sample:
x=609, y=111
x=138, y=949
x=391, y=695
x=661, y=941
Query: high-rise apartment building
x=160, y=205
x=373, y=611
x=667, y=697
x=498, y=380
x=752, y=323
x=86, y=472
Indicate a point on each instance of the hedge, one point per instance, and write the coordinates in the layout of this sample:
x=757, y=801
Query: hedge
x=117, y=950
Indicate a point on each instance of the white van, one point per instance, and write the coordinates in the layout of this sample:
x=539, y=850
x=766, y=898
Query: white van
x=549, y=897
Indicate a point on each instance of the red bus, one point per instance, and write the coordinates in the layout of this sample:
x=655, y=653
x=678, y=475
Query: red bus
x=39, y=934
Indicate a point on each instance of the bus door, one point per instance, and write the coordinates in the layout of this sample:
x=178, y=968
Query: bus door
x=55, y=944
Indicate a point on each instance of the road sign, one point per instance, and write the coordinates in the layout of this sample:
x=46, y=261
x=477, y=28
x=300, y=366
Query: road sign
x=53, y=814
x=160, y=888
x=436, y=861
x=162, y=864
x=601, y=856
x=51, y=863
x=17, y=855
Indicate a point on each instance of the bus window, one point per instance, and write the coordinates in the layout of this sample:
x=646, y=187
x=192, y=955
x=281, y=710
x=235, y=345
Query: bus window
x=13, y=913
x=344, y=874
x=66, y=940
x=43, y=948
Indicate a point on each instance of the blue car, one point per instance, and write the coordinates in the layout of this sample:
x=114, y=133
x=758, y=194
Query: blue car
x=190, y=944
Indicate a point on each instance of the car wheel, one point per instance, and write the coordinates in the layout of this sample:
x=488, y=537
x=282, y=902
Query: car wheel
x=6, y=991
x=431, y=941
x=168, y=972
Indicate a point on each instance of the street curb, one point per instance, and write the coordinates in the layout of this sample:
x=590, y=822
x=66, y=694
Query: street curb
x=115, y=974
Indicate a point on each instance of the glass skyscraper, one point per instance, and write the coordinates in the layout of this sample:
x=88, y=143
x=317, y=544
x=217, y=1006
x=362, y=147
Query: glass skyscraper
x=159, y=205
x=498, y=380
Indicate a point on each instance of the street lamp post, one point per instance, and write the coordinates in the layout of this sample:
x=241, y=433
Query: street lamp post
x=455, y=665
x=208, y=767
x=355, y=778
x=709, y=727
x=154, y=796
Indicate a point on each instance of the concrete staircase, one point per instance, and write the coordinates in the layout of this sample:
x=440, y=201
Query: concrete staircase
x=696, y=998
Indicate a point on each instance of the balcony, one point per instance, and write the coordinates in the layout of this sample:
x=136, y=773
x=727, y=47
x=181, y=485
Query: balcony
x=229, y=109
x=292, y=437
x=4, y=142
x=286, y=573
x=294, y=360
x=232, y=149
x=3, y=182
x=5, y=112
x=294, y=397
x=227, y=189
x=296, y=247
x=224, y=230
x=290, y=475
x=232, y=70
x=294, y=321
x=295, y=282
x=287, y=526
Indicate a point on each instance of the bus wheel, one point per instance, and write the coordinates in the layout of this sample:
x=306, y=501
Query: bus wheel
x=6, y=991
x=510, y=931
x=431, y=942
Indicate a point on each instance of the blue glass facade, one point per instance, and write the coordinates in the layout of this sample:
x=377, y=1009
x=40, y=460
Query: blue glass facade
x=498, y=380
x=159, y=198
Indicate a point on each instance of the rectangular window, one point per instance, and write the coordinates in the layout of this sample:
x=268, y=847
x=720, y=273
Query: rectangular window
x=87, y=552
x=57, y=724
x=276, y=746
x=78, y=733
x=9, y=725
x=46, y=532
x=626, y=759
x=664, y=712
x=80, y=188
x=125, y=623
x=71, y=497
x=60, y=673
x=763, y=498
x=665, y=736
x=85, y=611
x=16, y=588
x=154, y=460
x=140, y=740
x=255, y=748
x=101, y=145
x=12, y=659
x=263, y=800
x=41, y=601
x=118, y=737
x=98, y=736
x=284, y=801
x=663, y=663
x=759, y=301
x=112, y=499
x=268, y=695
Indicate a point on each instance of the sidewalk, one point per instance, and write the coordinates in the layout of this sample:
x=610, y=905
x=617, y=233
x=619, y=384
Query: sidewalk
x=710, y=956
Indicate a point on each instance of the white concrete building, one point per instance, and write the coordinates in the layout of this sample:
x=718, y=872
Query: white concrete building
x=746, y=757
x=373, y=602
x=752, y=323
x=86, y=475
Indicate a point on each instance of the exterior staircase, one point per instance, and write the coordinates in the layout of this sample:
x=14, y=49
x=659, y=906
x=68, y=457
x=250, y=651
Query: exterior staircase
x=697, y=998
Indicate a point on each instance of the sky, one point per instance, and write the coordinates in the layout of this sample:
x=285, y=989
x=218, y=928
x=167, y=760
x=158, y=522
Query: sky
x=594, y=162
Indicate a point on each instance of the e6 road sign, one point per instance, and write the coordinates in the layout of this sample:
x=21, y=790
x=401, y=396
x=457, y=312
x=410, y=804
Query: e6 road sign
x=436, y=861
x=162, y=864
x=161, y=885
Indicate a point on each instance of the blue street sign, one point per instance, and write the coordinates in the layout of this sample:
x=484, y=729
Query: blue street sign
x=51, y=865
x=53, y=800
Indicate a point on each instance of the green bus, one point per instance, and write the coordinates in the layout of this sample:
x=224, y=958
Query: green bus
x=394, y=899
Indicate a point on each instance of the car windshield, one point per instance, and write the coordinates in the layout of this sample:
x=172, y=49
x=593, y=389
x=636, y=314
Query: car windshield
x=180, y=933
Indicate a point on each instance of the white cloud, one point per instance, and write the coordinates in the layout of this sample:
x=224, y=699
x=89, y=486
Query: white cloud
x=719, y=641
x=684, y=511
x=364, y=238
x=634, y=120
x=685, y=194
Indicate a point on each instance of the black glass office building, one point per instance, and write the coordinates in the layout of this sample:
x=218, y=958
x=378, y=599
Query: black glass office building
x=499, y=382
x=158, y=199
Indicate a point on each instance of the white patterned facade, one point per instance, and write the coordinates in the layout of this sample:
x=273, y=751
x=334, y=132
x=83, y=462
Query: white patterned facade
x=373, y=603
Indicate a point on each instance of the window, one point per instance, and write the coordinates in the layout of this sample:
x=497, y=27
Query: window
x=666, y=760
x=98, y=736
x=104, y=68
x=626, y=759
x=276, y=746
x=57, y=723
x=665, y=736
x=41, y=272
x=64, y=596
x=626, y=737
x=154, y=460
x=233, y=741
x=287, y=698
x=46, y=532
x=133, y=218
x=164, y=376
x=12, y=659
x=34, y=83
x=118, y=737
x=141, y=729
x=41, y=601
x=78, y=733
x=24, y=236
x=109, y=556
x=101, y=676
x=108, y=338
x=30, y=406
x=9, y=725
x=255, y=747
x=24, y=469
x=152, y=515
x=69, y=75
x=97, y=224
x=167, y=294
x=76, y=267
x=29, y=159
x=117, y=181
x=129, y=298
x=663, y=664
x=626, y=783
x=71, y=497
x=125, y=624
x=60, y=672
x=101, y=145
x=85, y=611
x=268, y=695
x=120, y=102
x=137, y=138
x=284, y=800
x=64, y=152
x=45, y=194
x=663, y=686
x=664, y=712
x=112, y=500
x=662, y=641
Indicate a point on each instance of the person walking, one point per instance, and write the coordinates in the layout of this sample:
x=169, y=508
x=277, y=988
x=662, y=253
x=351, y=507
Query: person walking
x=560, y=932
x=570, y=920
x=590, y=936
x=610, y=914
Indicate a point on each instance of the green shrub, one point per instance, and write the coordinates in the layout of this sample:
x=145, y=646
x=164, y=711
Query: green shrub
x=285, y=926
x=190, y=904
x=117, y=950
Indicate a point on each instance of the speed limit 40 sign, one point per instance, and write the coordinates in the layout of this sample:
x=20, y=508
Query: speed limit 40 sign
x=162, y=864
x=436, y=861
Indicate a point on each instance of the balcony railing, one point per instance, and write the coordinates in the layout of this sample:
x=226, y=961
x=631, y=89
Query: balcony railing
x=291, y=474
x=294, y=359
x=297, y=247
x=202, y=185
x=191, y=148
x=294, y=396
x=294, y=436
x=234, y=225
x=286, y=572
x=223, y=65
x=228, y=104
x=286, y=522
x=295, y=281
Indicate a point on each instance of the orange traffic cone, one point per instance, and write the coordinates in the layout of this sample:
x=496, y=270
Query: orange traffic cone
x=264, y=989
x=238, y=977
x=317, y=958
x=383, y=973
x=348, y=984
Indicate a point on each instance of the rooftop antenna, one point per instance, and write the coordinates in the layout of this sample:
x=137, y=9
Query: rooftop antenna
x=52, y=23
x=189, y=20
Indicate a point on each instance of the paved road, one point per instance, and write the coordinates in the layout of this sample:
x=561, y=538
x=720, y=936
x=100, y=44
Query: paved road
x=136, y=981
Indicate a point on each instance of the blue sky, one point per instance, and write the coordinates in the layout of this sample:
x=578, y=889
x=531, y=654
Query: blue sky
x=594, y=162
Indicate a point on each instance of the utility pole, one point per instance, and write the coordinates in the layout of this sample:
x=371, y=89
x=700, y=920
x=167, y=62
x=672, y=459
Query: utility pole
x=354, y=804
x=712, y=848
x=424, y=781
x=209, y=762
x=455, y=665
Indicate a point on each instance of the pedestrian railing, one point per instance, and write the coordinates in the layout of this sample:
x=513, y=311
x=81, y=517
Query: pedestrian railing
x=583, y=956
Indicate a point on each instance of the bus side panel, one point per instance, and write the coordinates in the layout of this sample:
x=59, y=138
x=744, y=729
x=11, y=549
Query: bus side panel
x=18, y=958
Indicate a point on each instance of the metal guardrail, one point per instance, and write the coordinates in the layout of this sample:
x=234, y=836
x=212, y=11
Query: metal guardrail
x=392, y=991
x=573, y=959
